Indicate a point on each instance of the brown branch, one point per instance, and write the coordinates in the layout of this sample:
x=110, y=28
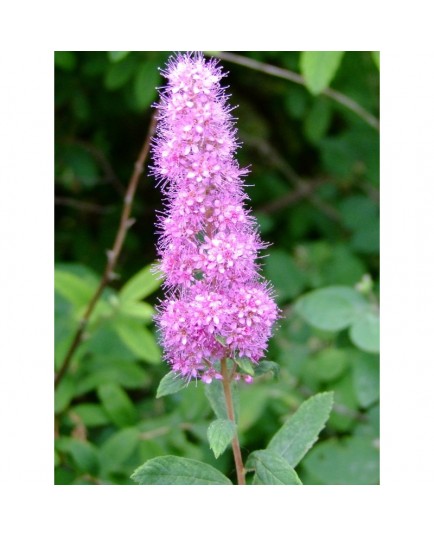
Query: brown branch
x=298, y=79
x=83, y=206
x=113, y=254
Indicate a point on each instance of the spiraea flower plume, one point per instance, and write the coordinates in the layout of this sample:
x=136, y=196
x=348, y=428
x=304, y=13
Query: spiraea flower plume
x=217, y=304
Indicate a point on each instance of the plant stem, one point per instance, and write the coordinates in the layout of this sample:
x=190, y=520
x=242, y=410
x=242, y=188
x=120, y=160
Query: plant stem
x=112, y=255
x=231, y=415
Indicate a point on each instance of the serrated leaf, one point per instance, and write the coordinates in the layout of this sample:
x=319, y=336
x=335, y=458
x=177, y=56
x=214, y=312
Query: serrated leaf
x=139, y=340
x=365, y=333
x=174, y=470
x=331, y=308
x=170, y=384
x=301, y=430
x=141, y=285
x=319, y=68
x=117, y=405
x=220, y=433
x=272, y=469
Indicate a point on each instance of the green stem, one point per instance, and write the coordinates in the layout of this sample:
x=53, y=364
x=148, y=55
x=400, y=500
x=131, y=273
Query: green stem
x=231, y=415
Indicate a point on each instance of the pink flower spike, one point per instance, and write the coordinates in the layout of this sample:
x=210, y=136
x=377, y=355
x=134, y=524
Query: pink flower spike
x=217, y=304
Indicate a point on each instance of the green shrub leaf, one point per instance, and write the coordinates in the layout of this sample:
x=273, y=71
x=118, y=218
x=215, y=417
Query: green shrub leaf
x=264, y=367
x=220, y=433
x=272, y=469
x=141, y=285
x=117, y=405
x=138, y=339
x=118, y=448
x=331, y=308
x=366, y=379
x=319, y=68
x=178, y=471
x=349, y=461
x=301, y=431
x=83, y=453
x=170, y=384
x=365, y=333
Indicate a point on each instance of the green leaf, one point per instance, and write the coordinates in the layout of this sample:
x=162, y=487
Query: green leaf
x=331, y=308
x=117, y=405
x=170, y=384
x=319, y=68
x=118, y=74
x=72, y=287
x=141, y=285
x=64, y=394
x=81, y=166
x=365, y=333
x=140, y=310
x=245, y=365
x=271, y=469
x=350, y=461
x=220, y=339
x=216, y=397
x=329, y=364
x=301, y=431
x=118, y=448
x=175, y=470
x=264, y=367
x=318, y=120
x=83, y=453
x=139, y=340
x=366, y=379
x=124, y=373
x=145, y=84
x=117, y=56
x=91, y=414
x=287, y=278
x=220, y=433
x=376, y=57
x=345, y=399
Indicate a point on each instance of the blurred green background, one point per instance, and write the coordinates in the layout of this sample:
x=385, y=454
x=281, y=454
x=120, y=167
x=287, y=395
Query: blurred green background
x=315, y=192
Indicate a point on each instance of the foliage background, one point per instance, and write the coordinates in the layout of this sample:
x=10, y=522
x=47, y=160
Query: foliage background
x=314, y=176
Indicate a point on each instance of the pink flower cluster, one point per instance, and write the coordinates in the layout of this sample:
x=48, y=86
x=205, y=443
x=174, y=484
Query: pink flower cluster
x=217, y=305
